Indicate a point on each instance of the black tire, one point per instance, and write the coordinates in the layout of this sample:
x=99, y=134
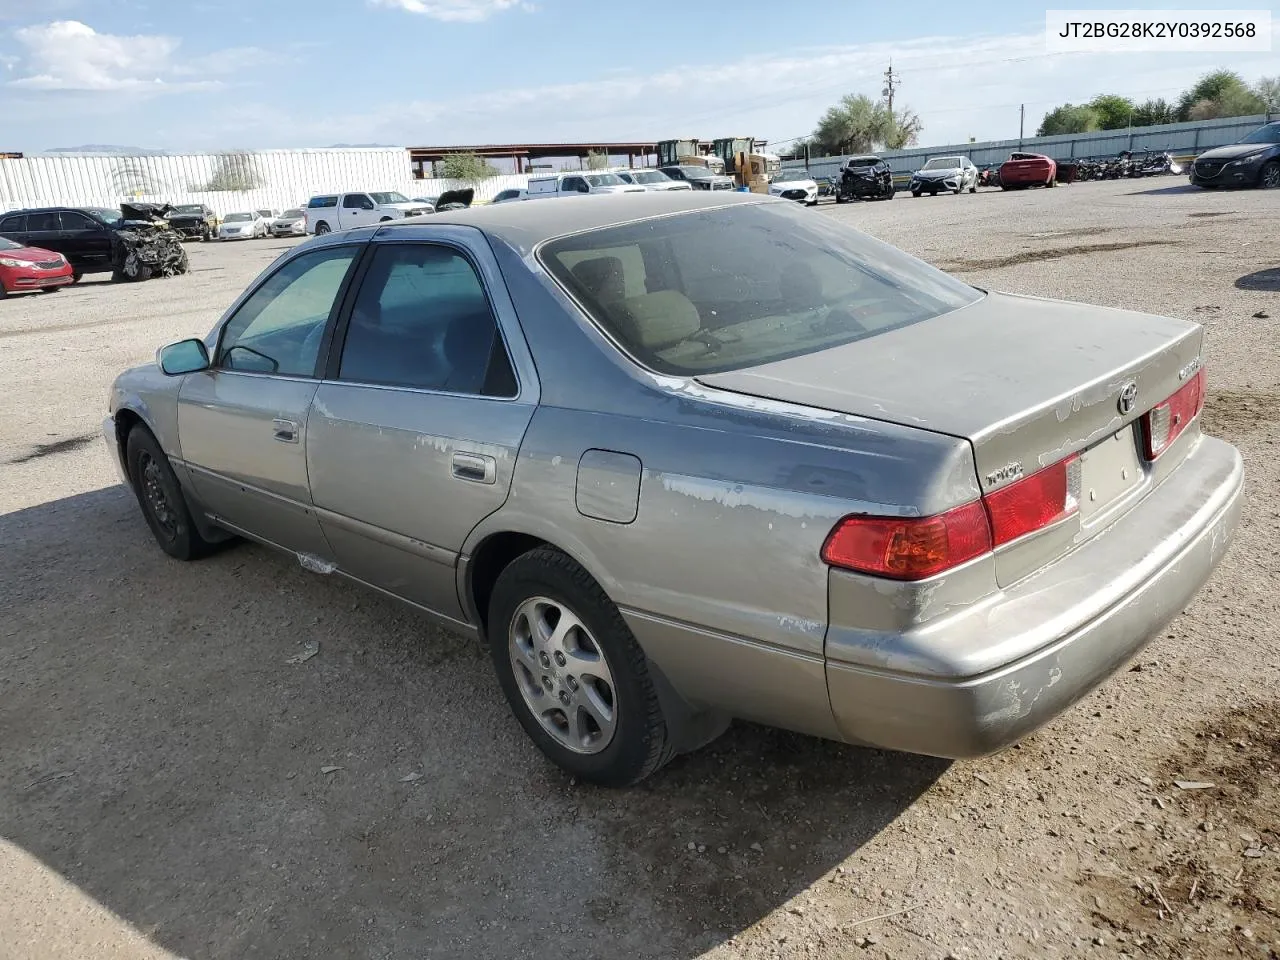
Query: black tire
x=322, y=228
x=1269, y=178
x=839, y=198
x=77, y=276
x=915, y=193
x=974, y=188
x=957, y=191
x=641, y=741
x=1051, y=182
x=385, y=220
x=50, y=289
x=160, y=497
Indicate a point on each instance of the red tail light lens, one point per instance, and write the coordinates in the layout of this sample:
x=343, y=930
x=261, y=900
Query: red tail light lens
x=913, y=548
x=1165, y=422
x=1035, y=502
x=909, y=548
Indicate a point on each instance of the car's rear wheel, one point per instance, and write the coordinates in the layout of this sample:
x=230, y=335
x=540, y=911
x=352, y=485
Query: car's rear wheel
x=573, y=673
x=321, y=228
x=1269, y=179
x=1051, y=182
x=160, y=497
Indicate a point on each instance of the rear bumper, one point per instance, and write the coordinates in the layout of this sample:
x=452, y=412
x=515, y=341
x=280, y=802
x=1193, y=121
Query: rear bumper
x=1083, y=618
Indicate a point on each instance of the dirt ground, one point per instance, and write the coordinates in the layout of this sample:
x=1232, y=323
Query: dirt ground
x=162, y=784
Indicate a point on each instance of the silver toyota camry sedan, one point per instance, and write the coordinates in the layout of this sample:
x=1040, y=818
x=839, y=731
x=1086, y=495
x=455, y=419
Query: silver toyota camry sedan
x=682, y=457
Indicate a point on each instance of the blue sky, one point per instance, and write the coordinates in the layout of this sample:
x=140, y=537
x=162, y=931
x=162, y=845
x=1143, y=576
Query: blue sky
x=209, y=74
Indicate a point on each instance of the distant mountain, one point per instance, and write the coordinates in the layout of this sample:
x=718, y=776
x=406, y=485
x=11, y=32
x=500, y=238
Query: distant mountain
x=109, y=148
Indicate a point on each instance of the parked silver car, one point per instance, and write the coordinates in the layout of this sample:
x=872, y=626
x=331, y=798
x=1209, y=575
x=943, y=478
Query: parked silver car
x=681, y=457
x=956, y=174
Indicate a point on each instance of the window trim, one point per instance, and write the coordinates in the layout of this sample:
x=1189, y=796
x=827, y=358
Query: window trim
x=326, y=338
x=339, y=340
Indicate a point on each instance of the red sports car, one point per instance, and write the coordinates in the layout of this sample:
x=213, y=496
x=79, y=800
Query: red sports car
x=31, y=268
x=1027, y=170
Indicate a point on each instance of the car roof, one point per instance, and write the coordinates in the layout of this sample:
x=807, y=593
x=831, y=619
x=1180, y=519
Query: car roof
x=525, y=225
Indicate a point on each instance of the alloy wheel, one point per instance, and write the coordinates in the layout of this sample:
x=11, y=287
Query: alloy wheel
x=1271, y=176
x=563, y=675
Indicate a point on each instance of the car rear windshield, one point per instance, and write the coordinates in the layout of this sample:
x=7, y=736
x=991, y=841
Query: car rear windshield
x=715, y=290
x=317, y=202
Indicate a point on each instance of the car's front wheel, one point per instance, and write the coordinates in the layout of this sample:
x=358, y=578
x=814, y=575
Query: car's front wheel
x=160, y=497
x=573, y=673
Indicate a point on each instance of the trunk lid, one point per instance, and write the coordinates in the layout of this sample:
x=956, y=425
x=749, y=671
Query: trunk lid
x=1026, y=381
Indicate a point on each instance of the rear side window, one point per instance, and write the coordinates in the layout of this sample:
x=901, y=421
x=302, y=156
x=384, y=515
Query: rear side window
x=422, y=320
x=16, y=224
x=716, y=290
x=320, y=202
x=43, y=222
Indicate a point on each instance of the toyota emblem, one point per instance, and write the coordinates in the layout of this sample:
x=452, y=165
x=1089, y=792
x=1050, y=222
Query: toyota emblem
x=1128, y=397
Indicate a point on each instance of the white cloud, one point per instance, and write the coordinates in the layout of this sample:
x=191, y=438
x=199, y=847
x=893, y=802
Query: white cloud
x=71, y=56
x=458, y=11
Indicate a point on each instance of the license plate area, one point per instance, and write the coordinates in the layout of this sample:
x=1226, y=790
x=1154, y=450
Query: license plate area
x=1109, y=471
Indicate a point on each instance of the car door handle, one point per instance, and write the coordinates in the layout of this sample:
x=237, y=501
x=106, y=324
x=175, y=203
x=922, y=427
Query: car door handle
x=475, y=467
x=286, y=431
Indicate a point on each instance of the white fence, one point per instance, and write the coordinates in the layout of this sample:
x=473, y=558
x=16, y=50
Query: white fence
x=226, y=182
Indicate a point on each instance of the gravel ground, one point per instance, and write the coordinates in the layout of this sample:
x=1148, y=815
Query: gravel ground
x=162, y=784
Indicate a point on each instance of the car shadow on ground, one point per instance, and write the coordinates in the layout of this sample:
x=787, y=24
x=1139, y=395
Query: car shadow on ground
x=374, y=800
x=1268, y=281
x=1179, y=188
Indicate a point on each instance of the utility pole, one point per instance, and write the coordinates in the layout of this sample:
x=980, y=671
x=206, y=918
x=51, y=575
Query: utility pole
x=891, y=80
x=1022, y=116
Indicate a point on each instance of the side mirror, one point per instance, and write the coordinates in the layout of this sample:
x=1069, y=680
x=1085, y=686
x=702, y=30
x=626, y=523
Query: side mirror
x=185, y=356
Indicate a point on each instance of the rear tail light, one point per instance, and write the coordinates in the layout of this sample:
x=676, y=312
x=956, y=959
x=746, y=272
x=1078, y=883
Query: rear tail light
x=909, y=548
x=913, y=548
x=1165, y=422
x=1035, y=502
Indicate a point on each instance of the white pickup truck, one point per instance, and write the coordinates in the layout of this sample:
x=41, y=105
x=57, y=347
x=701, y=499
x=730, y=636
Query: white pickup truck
x=327, y=212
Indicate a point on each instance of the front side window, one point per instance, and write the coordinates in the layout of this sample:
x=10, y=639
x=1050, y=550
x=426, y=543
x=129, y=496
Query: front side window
x=1268, y=134
x=716, y=290
x=280, y=327
x=356, y=201
x=73, y=220
x=422, y=320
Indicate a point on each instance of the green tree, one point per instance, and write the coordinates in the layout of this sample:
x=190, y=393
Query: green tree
x=1068, y=118
x=901, y=129
x=858, y=124
x=1112, y=111
x=1219, y=94
x=1152, y=112
x=1268, y=91
x=851, y=126
x=465, y=166
x=597, y=160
